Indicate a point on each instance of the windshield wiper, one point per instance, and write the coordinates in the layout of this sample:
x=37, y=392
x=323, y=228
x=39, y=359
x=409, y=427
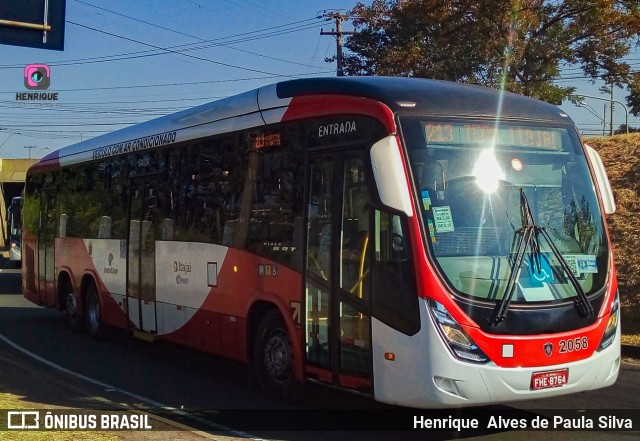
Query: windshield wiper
x=523, y=237
x=528, y=236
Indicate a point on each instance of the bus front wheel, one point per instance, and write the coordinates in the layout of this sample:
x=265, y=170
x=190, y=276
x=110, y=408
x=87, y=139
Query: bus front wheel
x=273, y=359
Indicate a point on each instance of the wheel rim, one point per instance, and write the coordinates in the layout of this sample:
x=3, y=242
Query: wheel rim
x=94, y=314
x=277, y=356
x=71, y=305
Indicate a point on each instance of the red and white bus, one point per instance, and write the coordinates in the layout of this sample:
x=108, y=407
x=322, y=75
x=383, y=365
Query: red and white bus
x=429, y=244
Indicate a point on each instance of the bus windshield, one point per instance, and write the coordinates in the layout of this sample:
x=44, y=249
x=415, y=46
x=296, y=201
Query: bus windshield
x=472, y=176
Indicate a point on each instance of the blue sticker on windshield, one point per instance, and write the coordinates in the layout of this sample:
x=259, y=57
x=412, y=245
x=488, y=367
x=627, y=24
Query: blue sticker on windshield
x=587, y=263
x=426, y=199
x=539, y=271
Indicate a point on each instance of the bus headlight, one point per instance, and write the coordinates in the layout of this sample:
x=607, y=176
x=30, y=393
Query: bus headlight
x=612, y=324
x=458, y=341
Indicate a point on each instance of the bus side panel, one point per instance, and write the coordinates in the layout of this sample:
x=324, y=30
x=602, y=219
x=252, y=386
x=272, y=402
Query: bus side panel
x=101, y=258
x=29, y=269
x=107, y=259
x=204, y=293
x=206, y=331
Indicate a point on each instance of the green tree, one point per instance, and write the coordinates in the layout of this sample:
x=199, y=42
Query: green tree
x=518, y=45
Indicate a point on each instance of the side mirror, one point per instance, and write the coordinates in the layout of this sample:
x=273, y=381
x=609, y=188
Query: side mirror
x=390, y=176
x=602, y=180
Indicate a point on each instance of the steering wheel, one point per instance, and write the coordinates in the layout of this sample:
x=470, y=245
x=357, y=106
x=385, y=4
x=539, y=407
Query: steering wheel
x=470, y=205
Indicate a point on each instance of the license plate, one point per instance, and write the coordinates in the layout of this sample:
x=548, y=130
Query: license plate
x=548, y=379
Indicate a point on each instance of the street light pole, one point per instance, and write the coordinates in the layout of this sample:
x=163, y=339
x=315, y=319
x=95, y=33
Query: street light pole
x=586, y=106
x=581, y=97
x=8, y=137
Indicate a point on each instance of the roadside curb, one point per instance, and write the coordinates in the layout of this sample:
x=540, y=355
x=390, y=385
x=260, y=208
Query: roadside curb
x=632, y=351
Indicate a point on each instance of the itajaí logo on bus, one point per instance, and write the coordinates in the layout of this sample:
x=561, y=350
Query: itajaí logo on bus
x=181, y=267
x=184, y=268
x=110, y=269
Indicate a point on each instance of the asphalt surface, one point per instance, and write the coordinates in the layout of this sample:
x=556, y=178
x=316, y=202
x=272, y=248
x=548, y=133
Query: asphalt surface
x=631, y=351
x=40, y=388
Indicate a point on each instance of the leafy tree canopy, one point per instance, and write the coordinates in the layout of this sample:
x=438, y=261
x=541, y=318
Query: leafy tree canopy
x=518, y=45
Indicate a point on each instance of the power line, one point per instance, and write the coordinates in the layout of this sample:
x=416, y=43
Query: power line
x=217, y=42
x=186, y=83
x=172, y=51
x=143, y=101
x=198, y=38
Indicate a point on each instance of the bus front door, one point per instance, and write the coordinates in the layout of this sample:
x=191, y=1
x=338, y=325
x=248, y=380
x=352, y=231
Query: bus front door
x=337, y=300
x=141, y=265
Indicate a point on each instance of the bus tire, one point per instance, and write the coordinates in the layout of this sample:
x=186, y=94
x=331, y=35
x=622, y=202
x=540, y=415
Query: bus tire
x=273, y=359
x=71, y=311
x=92, y=314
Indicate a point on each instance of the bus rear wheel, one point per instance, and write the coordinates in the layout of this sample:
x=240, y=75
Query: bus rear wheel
x=75, y=322
x=273, y=359
x=93, y=320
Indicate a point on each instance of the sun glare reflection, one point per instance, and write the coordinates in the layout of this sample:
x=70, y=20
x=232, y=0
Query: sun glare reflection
x=488, y=172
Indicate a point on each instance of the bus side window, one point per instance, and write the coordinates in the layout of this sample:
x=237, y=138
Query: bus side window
x=355, y=230
x=394, y=293
x=319, y=218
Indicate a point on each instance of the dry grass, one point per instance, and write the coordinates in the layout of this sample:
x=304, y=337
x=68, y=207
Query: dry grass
x=631, y=339
x=622, y=161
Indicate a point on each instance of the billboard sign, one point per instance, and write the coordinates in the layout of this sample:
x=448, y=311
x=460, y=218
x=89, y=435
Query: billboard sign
x=33, y=23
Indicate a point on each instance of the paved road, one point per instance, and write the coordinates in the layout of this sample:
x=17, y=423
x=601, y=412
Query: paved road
x=136, y=372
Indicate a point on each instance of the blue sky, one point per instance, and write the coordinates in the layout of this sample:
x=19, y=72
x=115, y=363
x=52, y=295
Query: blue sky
x=113, y=72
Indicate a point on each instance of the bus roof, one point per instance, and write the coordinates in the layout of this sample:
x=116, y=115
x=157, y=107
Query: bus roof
x=431, y=97
x=268, y=104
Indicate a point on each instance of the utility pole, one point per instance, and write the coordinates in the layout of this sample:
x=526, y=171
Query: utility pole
x=30, y=147
x=338, y=33
x=611, y=115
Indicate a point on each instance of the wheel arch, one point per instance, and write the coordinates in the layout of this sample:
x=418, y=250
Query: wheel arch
x=65, y=285
x=88, y=279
